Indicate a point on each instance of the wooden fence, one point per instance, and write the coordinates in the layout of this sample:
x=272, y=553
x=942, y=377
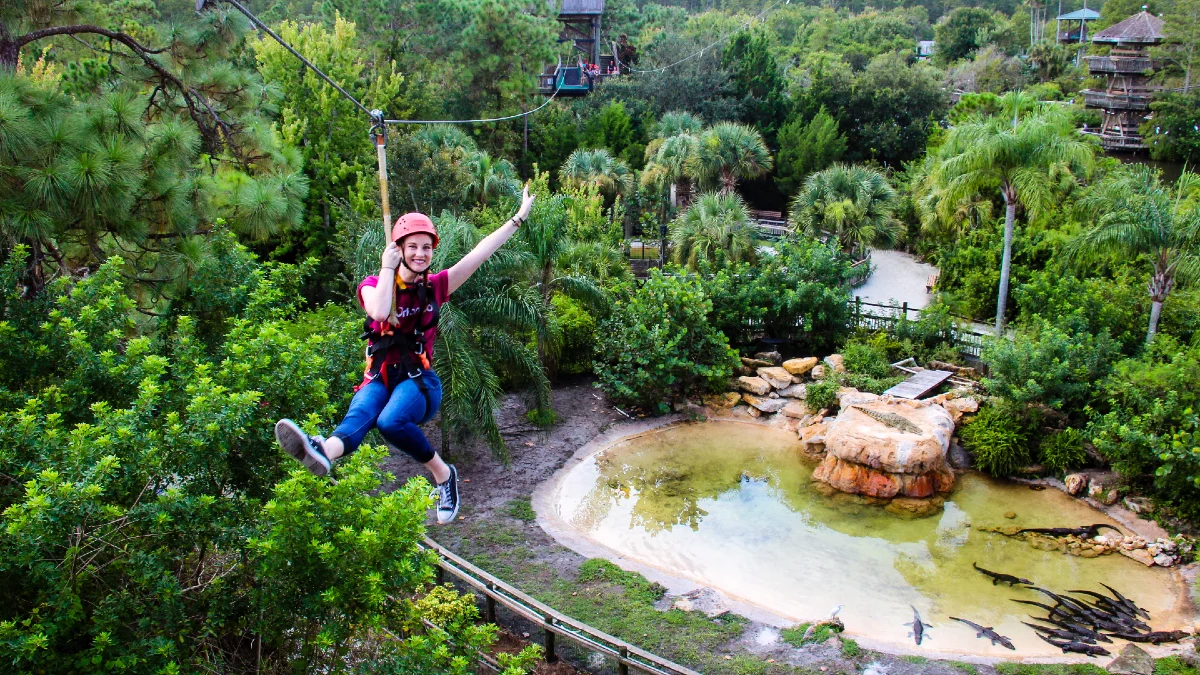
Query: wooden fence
x=553, y=624
x=873, y=316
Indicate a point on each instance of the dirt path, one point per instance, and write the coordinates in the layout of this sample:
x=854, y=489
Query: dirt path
x=898, y=276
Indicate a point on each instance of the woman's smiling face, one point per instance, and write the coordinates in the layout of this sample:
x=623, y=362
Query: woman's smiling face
x=418, y=251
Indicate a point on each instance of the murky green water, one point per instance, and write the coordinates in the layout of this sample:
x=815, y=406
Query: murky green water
x=732, y=506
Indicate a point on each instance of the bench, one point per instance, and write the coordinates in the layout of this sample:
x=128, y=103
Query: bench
x=766, y=215
x=931, y=282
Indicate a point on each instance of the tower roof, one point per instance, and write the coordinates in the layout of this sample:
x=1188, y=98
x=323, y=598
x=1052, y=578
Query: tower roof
x=1079, y=15
x=581, y=7
x=1142, y=27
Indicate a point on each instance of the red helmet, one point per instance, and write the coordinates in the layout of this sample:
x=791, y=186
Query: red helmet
x=413, y=223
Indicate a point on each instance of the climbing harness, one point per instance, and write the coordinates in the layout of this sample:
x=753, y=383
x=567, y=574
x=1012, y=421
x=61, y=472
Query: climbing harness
x=414, y=356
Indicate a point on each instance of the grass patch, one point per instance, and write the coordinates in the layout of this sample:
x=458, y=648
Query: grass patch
x=794, y=636
x=610, y=599
x=850, y=648
x=967, y=668
x=1173, y=665
x=1045, y=669
x=637, y=588
x=915, y=659
x=521, y=509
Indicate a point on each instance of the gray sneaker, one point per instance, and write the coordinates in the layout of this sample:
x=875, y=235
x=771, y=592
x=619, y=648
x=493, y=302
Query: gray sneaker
x=447, y=494
x=308, y=450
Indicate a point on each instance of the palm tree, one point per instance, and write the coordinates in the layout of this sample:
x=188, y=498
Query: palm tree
x=716, y=228
x=1030, y=155
x=1137, y=215
x=853, y=204
x=730, y=152
x=678, y=122
x=446, y=136
x=489, y=178
x=548, y=251
x=670, y=160
x=597, y=167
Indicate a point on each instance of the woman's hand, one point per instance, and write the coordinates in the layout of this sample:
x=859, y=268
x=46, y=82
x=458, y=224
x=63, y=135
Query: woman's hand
x=391, y=256
x=526, y=204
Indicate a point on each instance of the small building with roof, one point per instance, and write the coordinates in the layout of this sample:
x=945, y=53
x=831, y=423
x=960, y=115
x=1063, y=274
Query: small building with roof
x=1071, y=33
x=1124, y=102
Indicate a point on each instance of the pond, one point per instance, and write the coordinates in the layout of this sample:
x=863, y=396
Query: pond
x=732, y=506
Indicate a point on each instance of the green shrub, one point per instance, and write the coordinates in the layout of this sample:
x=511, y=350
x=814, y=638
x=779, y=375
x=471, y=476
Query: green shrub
x=1146, y=424
x=1063, y=450
x=999, y=439
x=822, y=394
x=850, y=648
x=578, y=335
x=871, y=384
x=867, y=357
x=1047, y=365
x=658, y=347
x=800, y=293
x=637, y=587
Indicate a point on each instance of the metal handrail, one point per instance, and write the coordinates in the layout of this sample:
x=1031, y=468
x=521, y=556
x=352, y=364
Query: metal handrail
x=553, y=622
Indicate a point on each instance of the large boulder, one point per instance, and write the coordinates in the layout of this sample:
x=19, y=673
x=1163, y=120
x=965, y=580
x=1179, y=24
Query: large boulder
x=1076, y=483
x=775, y=376
x=796, y=409
x=836, y=363
x=818, y=372
x=756, y=363
x=812, y=438
x=1133, y=660
x=774, y=358
x=767, y=405
x=794, y=391
x=754, y=385
x=889, y=448
x=800, y=366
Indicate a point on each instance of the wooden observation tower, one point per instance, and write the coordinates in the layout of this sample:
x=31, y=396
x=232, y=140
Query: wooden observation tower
x=572, y=76
x=1125, y=100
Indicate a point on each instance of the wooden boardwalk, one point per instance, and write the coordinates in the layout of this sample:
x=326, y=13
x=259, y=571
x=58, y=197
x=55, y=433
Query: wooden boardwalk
x=919, y=384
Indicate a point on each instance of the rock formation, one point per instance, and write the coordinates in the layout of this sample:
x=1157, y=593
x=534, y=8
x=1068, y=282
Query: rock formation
x=888, y=448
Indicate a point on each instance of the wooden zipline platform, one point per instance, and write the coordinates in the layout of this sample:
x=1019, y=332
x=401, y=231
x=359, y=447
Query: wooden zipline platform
x=554, y=624
x=919, y=384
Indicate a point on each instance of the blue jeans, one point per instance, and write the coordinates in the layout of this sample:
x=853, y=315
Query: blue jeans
x=396, y=413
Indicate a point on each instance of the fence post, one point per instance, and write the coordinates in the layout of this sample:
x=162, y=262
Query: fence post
x=441, y=574
x=551, y=657
x=857, y=310
x=622, y=667
x=490, y=603
x=905, y=306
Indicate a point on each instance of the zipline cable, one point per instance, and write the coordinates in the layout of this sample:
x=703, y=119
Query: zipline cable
x=263, y=27
x=375, y=115
x=721, y=39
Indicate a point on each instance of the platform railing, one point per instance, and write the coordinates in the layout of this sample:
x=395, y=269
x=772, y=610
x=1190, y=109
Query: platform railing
x=553, y=623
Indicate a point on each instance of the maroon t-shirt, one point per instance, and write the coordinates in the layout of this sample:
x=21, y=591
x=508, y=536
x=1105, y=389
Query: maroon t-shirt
x=407, y=313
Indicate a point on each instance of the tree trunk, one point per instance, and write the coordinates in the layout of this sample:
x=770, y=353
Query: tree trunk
x=1161, y=283
x=1155, y=312
x=1010, y=217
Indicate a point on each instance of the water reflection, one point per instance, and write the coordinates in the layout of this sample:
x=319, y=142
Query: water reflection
x=732, y=506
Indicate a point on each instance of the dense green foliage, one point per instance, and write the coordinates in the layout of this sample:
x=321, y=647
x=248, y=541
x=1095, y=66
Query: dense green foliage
x=149, y=521
x=999, y=440
x=798, y=293
x=658, y=345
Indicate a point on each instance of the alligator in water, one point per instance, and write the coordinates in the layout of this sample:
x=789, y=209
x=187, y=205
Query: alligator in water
x=918, y=626
x=1127, y=602
x=1086, y=612
x=1107, y=604
x=1077, y=647
x=1061, y=633
x=1084, y=532
x=987, y=632
x=1155, y=637
x=997, y=577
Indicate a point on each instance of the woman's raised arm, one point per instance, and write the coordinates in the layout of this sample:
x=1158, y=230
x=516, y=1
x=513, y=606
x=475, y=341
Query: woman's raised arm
x=462, y=270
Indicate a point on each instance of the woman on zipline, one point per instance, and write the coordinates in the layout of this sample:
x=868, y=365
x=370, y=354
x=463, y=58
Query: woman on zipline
x=399, y=390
